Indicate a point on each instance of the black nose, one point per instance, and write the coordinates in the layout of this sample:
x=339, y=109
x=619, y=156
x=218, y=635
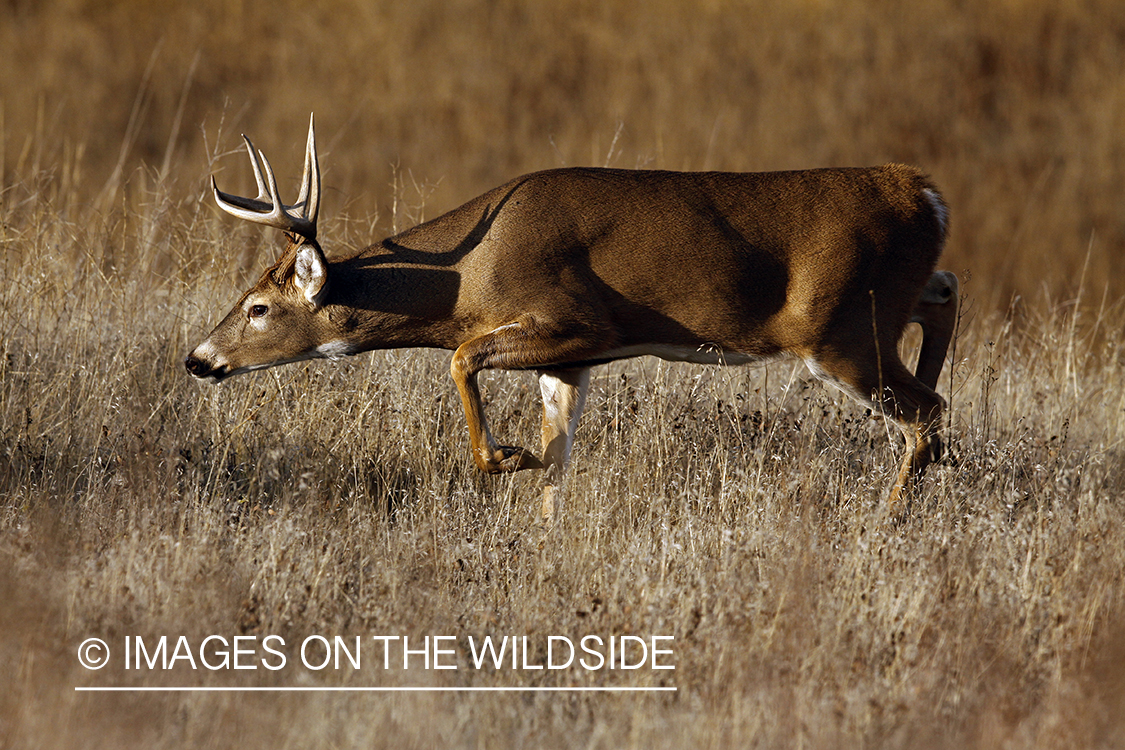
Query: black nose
x=196, y=366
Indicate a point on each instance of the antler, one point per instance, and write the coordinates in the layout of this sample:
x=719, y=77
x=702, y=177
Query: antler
x=267, y=208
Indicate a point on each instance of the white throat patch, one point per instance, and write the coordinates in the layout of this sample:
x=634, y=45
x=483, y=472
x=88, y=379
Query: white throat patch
x=335, y=349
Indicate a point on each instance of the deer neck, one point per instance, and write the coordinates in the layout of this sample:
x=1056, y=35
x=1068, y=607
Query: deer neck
x=380, y=301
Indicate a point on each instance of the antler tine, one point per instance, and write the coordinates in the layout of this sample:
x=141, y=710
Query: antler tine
x=271, y=183
x=282, y=215
x=249, y=209
x=262, y=194
x=255, y=205
x=309, y=197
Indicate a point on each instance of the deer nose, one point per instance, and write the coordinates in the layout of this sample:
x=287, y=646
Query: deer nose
x=196, y=366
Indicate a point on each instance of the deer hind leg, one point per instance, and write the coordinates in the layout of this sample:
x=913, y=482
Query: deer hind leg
x=911, y=404
x=564, y=395
x=936, y=312
x=917, y=409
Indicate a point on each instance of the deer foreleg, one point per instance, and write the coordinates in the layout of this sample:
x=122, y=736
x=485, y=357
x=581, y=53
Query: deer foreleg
x=490, y=457
x=526, y=345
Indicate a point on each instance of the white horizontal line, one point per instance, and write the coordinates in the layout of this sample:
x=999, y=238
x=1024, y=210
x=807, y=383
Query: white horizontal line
x=331, y=689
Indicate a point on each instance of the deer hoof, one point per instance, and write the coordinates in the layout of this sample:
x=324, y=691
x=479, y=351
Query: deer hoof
x=507, y=459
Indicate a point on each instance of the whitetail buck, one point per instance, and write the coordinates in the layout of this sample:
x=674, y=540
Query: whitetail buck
x=562, y=270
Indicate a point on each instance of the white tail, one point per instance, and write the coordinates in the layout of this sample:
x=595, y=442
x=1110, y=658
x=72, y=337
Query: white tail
x=561, y=270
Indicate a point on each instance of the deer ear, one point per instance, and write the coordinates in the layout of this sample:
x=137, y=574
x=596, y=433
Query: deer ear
x=310, y=274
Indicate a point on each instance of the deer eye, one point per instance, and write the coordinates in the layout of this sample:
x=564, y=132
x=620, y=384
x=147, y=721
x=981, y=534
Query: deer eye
x=257, y=311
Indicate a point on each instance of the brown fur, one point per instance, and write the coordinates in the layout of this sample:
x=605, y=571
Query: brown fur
x=560, y=270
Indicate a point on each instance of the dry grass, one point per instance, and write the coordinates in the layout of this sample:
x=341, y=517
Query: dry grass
x=1015, y=107
x=736, y=509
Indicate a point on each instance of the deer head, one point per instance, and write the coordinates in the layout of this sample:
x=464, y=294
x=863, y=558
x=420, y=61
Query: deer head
x=281, y=318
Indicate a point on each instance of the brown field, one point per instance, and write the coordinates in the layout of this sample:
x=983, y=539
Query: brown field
x=738, y=510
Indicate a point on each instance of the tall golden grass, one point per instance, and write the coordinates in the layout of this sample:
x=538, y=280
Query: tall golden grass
x=738, y=510
x=1015, y=107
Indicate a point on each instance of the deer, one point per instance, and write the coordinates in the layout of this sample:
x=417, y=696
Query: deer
x=561, y=270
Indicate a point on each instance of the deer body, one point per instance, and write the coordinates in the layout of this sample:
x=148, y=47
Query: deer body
x=561, y=270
